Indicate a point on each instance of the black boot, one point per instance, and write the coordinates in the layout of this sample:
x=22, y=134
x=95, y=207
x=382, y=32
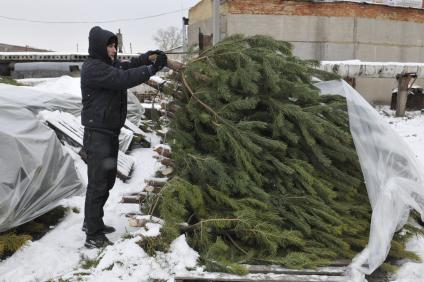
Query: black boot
x=100, y=241
x=106, y=229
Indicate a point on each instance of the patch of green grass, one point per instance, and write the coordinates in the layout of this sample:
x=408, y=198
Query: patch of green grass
x=82, y=274
x=151, y=245
x=110, y=267
x=87, y=263
x=75, y=210
x=8, y=80
x=127, y=236
x=12, y=240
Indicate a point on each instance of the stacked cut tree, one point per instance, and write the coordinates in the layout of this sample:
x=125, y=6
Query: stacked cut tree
x=265, y=168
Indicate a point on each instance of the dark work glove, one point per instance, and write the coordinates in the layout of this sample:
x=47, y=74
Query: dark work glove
x=144, y=58
x=160, y=63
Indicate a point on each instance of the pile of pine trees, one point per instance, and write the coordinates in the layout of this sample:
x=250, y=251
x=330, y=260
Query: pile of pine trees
x=266, y=170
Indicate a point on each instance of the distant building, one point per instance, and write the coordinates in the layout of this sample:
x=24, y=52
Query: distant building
x=325, y=30
x=14, y=48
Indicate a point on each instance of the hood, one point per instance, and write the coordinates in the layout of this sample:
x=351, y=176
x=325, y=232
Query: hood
x=97, y=40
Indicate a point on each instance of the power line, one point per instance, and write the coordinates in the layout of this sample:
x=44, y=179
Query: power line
x=92, y=22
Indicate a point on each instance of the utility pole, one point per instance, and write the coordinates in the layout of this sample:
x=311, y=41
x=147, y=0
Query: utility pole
x=131, y=48
x=216, y=21
x=120, y=41
x=77, y=47
x=184, y=32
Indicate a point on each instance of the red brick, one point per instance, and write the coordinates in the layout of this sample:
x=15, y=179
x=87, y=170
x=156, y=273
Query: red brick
x=329, y=9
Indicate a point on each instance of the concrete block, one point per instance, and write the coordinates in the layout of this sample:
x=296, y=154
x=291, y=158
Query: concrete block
x=293, y=28
x=323, y=51
x=390, y=32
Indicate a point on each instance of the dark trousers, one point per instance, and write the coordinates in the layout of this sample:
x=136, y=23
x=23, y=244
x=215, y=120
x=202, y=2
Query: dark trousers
x=101, y=147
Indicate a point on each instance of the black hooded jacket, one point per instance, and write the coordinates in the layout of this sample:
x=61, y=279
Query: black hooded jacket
x=104, y=83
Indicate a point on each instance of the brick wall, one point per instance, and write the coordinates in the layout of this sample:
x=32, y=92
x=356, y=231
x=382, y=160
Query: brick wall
x=335, y=9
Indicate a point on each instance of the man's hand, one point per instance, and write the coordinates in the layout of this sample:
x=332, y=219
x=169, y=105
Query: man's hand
x=160, y=62
x=149, y=57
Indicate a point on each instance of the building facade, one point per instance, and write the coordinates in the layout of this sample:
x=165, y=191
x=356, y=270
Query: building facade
x=325, y=31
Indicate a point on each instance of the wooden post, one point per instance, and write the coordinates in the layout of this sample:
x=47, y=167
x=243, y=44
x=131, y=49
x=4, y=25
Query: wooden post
x=351, y=81
x=403, y=85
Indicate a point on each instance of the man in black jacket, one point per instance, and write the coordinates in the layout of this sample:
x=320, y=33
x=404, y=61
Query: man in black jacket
x=104, y=84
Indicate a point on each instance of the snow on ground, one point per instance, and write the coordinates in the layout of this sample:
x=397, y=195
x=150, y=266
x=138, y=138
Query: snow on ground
x=61, y=254
x=410, y=128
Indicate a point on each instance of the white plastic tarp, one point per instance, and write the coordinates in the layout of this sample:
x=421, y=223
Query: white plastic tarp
x=36, y=101
x=135, y=110
x=65, y=86
x=68, y=101
x=393, y=176
x=35, y=171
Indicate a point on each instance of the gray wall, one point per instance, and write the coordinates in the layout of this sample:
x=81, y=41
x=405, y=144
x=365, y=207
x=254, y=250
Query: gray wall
x=338, y=38
x=193, y=31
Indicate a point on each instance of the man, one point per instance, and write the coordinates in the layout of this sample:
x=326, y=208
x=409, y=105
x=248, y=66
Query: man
x=104, y=84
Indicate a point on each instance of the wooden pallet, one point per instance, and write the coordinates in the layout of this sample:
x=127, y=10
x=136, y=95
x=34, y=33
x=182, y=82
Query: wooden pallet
x=262, y=273
x=70, y=129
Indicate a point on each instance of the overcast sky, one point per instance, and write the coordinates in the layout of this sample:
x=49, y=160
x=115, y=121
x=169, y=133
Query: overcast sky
x=65, y=37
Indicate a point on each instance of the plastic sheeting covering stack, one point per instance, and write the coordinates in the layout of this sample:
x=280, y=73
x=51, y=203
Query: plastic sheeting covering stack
x=65, y=92
x=393, y=177
x=35, y=171
x=36, y=101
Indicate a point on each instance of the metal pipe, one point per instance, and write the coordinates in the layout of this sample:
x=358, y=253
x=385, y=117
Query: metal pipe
x=216, y=21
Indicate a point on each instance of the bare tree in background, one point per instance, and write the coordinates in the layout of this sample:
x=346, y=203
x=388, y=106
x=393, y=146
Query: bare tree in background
x=168, y=38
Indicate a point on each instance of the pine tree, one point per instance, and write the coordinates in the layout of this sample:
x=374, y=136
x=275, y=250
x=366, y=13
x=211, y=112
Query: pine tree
x=266, y=170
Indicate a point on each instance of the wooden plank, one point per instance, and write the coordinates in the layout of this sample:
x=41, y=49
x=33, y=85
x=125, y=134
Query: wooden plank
x=156, y=182
x=131, y=126
x=262, y=273
x=262, y=278
x=329, y=271
x=138, y=199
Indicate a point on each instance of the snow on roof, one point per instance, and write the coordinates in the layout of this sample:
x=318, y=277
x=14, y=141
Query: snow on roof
x=357, y=68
